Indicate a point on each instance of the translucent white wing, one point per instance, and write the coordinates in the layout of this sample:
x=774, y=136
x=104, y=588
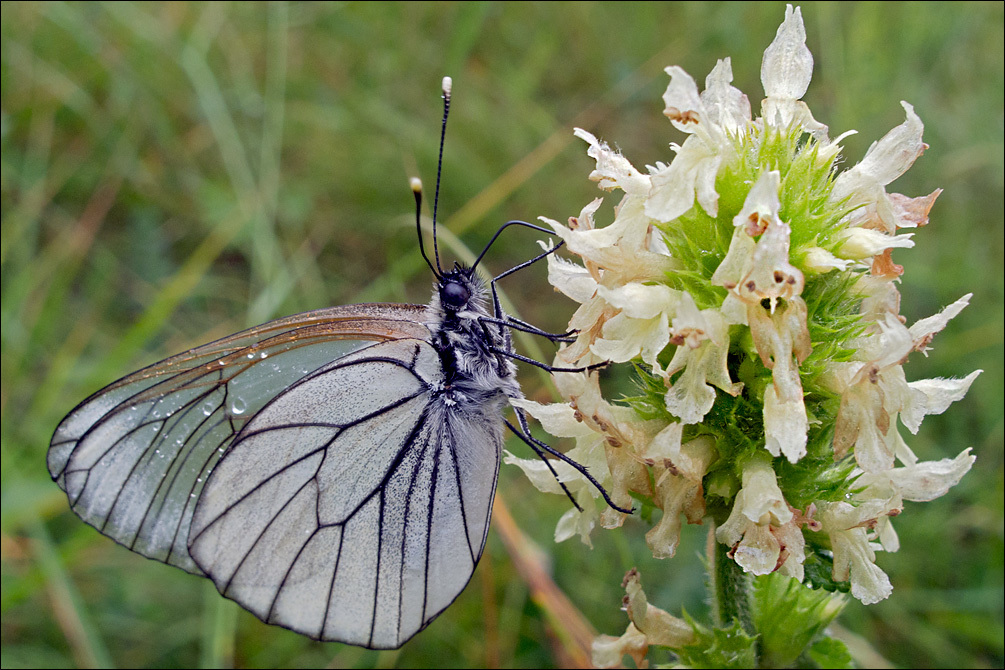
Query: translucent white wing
x=355, y=506
x=133, y=458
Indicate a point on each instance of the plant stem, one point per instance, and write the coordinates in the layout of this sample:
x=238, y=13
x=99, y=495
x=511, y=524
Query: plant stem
x=730, y=587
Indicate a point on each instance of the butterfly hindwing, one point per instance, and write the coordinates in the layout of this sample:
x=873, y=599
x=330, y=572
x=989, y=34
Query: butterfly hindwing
x=355, y=505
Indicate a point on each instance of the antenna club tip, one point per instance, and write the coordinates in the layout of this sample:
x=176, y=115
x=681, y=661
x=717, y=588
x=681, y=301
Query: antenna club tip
x=415, y=184
x=447, y=85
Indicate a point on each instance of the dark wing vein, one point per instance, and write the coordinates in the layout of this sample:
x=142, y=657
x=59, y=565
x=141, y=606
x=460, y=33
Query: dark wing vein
x=451, y=449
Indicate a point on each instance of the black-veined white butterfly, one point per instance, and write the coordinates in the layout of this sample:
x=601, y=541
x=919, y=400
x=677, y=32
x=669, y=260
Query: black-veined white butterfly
x=333, y=472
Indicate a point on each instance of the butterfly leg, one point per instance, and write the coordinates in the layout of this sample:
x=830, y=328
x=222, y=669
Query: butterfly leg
x=496, y=307
x=517, y=324
x=513, y=322
x=541, y=455
x=545, y=366
x=503, y=319
x=540, y=448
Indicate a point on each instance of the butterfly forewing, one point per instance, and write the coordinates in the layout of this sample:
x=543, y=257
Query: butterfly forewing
x=133, y=458
x=355, y=505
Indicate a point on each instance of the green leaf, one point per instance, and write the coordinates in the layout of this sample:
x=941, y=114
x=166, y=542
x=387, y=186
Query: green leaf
x=720, y=648
x=830, y=653
x=789, y=616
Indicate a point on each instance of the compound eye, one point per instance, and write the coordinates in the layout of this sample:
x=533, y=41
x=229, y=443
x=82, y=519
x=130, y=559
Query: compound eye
x=454, y=295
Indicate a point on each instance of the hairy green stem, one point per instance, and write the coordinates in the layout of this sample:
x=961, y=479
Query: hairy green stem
x=730, y=586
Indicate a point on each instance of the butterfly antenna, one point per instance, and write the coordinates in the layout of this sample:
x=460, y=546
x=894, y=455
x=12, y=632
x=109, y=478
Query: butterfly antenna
x=504, y=227
x=416, y=185
x=447, y=85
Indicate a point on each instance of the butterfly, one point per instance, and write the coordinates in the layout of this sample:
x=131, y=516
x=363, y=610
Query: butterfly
x=333, y=472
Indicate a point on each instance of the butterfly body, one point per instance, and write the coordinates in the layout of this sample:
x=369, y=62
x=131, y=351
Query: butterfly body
x=470, y=346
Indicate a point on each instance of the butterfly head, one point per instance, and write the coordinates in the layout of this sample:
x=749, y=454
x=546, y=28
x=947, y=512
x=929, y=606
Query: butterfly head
x=454, y=295
x=460, y=290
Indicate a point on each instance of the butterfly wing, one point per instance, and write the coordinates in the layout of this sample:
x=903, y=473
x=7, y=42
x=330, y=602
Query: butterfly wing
x=133, y=458
x=354, y=506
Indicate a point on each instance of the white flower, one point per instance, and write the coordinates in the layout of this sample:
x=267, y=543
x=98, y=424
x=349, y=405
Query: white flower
x=755, y=271
x=785, y=74
x=933, y=396
x=690, y=326
x=761, y=528
x=847, y=526
x=760, y=208
x=691, y=395
x=859, y=243
x=877, y=389
x=609, y=651
x=771, y=275
x=612, y=433
x=678, y=470
x=712, y=118
x=783, y=343
x=918, y=481
x=614, y=256
x=820, y=261
x=660, y=276
x=863, y=419
x=724, y=104
x=641, y=326
x=571, y=279
x=649, y=625
x=613, y=169
x=924, y=330
x=691, y=175
x=621, y=249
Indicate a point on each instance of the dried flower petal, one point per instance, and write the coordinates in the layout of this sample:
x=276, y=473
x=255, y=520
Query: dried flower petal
x=613, y=170
x=659, y=627
x=678, y=476
x=608, y=651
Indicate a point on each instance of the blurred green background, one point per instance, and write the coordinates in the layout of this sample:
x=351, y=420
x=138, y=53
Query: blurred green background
x=175, y=172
